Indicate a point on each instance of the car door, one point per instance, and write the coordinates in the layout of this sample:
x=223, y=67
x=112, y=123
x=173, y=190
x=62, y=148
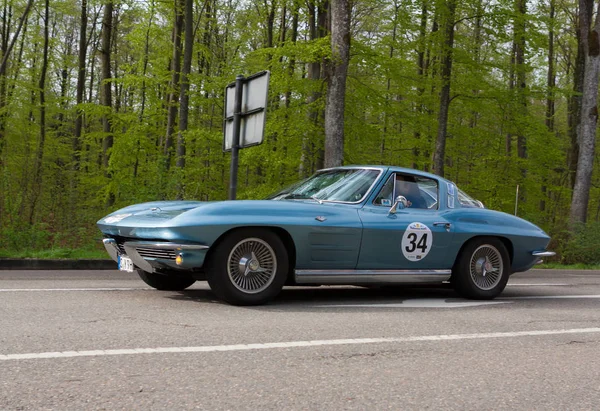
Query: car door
x=416, y=237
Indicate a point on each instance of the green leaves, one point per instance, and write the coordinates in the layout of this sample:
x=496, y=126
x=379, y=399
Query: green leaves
x=391, y=114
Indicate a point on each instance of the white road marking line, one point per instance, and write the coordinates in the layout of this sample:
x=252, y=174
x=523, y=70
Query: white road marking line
x=7, y=290
x=549, y=297
x=292, y=344
x=442, y=303
x=417, y=303
x=537, y=285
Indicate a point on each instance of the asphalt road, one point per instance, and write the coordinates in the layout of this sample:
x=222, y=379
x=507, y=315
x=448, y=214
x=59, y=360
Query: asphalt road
x=75, y=340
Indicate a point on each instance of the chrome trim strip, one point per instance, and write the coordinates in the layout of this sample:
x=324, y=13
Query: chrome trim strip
x=352, y=168
x=165, y=246
x=368, y=272
x=543, y=253
x=370, y=276
x=111, y=247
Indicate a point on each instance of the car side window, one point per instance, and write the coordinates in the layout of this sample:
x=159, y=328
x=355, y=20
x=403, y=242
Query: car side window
x=386, y=194
x=420, y=192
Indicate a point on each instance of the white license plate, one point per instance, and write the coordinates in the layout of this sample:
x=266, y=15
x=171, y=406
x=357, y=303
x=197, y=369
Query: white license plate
x=125, y=264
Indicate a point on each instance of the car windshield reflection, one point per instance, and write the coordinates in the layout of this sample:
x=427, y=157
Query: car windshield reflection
x=339, y=185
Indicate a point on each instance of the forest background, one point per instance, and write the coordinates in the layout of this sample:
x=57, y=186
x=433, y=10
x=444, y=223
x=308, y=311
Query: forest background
x=108, y=103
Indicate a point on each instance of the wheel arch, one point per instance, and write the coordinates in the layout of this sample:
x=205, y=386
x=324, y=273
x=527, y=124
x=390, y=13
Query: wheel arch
x=283, y=235
x=507, y=243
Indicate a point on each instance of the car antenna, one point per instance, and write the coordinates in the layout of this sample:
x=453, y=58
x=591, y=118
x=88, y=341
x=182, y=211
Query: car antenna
x=517, y=200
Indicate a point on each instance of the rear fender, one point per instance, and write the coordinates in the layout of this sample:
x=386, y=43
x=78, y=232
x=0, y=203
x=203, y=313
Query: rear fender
x=507, y=243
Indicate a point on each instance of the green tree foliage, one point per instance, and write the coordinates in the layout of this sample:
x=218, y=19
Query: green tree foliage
x=395, y=77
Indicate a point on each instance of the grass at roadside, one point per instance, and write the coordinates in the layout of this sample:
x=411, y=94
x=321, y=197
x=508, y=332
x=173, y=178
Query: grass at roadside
x=56, y=253
x=557, y=266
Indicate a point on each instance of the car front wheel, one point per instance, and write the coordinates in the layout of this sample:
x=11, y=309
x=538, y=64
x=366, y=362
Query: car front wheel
x=482, y=269
x=248, y=267
x=165, y=282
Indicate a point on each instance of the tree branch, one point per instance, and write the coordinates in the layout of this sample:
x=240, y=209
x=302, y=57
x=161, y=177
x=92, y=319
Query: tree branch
x=14, y=39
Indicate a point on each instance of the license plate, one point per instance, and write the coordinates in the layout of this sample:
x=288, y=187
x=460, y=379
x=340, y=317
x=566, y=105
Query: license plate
x=125, y=264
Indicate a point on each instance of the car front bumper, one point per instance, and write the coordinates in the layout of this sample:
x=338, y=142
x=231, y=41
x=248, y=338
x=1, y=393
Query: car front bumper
x=153, y=256
x=541, y=254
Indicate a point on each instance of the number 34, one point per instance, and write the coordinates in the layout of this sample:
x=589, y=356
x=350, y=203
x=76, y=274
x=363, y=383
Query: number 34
x=416, y=242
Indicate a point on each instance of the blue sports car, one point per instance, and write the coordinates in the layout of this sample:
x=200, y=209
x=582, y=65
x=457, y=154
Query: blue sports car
x=355, y=225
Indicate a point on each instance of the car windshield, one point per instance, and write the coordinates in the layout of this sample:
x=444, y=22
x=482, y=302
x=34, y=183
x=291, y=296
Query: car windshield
x=343, y=185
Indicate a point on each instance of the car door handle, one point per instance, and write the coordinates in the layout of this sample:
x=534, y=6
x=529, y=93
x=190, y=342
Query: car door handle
x=445, y=224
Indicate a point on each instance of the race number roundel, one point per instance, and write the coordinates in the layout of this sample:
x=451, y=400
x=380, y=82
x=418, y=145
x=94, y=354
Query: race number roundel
x=416, y=241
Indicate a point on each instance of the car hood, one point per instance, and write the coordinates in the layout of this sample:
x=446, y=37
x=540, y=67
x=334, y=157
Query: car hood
x=151, y=212
x=181, y=213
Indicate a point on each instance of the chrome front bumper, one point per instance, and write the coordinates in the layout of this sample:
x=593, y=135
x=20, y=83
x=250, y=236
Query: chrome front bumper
x=541, y=254
x=150, y=256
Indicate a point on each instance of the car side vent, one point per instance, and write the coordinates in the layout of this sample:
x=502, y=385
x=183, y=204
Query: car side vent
x=472, y=220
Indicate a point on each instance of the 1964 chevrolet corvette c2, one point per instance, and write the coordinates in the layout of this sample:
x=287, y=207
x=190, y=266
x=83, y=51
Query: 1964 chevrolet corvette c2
x=355, y=225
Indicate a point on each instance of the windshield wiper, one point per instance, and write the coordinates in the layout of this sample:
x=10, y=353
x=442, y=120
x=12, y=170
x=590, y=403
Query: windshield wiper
x=295, y=196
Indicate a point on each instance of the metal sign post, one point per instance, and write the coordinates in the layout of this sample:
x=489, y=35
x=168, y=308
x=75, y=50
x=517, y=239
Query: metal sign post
x=237, y=116
x=244, y=125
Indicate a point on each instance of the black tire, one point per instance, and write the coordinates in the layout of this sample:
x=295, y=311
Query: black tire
x=482, y=269
x=165, y=282
x=249, y=267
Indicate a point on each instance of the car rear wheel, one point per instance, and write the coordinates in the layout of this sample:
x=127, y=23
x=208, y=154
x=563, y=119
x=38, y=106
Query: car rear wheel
x=482, y=269
x=248, y=267
x=165, y=282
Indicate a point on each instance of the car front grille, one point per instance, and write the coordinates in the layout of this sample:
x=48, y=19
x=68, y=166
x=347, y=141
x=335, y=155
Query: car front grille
x=121, y=248
x=145, y=252
x=156, y=253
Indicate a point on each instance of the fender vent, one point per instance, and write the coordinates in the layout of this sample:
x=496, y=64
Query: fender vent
x=472, y=220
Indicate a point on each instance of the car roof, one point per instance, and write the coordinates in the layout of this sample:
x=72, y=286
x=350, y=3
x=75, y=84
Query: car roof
x=390, y=168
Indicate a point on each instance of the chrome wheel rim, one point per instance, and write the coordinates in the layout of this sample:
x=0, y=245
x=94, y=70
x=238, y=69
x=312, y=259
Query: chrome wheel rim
x=486, y=267
x=252, y=265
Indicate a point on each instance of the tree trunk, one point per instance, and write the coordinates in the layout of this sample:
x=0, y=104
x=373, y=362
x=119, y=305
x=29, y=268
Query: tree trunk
x=586, y=131
x=106, y=93
x=551, y=79
x=6, y=51
x=521, y=75
x=292, y=65
x=312, y=157
x=574, y=117
x=421, y=76
x=270, y=24
x=388, y=94
x=439, y=154
x=336, y=91
x=184, y=96
x=145, y=65
x=80, y=85
x=37, y=178
x=551, y=84
x=173, y=98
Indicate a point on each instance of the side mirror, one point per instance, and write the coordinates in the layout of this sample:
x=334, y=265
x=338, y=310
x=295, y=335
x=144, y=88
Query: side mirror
x=400, y=203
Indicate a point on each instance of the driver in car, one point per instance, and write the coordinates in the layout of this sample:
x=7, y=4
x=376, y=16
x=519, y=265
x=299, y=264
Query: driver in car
x=407, y=186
